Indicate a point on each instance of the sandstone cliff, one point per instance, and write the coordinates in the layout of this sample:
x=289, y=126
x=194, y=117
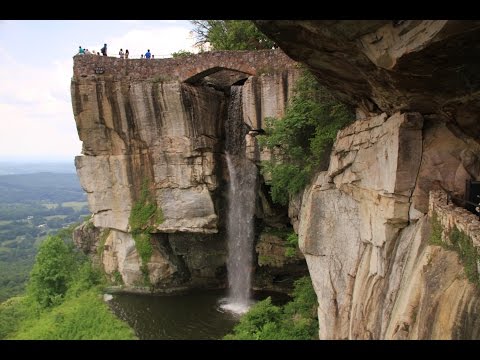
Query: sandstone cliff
x=363, y=224
x=157, y=129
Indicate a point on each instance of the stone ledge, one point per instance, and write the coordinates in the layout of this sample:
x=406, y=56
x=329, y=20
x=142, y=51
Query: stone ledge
x=451, y=215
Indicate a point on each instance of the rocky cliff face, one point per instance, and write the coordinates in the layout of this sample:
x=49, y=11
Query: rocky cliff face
x=429, y=66
x=366, y=241
x=156, y=129
x=363, y=224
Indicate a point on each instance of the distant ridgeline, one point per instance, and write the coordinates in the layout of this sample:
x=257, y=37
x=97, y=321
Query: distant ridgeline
x=31, y=207
x=13, y=167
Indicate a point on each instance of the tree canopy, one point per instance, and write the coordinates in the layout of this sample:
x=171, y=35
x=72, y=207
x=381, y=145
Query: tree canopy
x=230, y=35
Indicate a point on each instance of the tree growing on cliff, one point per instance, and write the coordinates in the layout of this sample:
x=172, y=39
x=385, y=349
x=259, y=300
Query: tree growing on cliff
x=301, y=140
x=230, y=35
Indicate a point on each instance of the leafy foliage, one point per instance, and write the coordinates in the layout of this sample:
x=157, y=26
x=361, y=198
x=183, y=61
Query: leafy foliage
x=181, y=53
x=31, y=207
x=143, y=212
x=292, y=245
x=436, y=234
x=468, y=253
x=12, y=313
x=69, y=304
x=462, y=244
x=85, y=317
x=51, y=272
x=300, y=141
x=230, y=35
x=296, y=320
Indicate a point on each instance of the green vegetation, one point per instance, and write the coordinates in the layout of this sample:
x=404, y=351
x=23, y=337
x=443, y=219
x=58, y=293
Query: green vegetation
x=468, y=253
x=101, y=242
x=296, y=320
x=46, y=187
x=143, y=212
x=75, y=205
x=286, y=234
x=63, y=300
x=51, y=272
x=84, y=318
x=181, y=53
x=230, y=35
x=301, y=140
x=117, y=278
x=292, y=245
x=33, y=206
x=462, y=244
x=436, y=234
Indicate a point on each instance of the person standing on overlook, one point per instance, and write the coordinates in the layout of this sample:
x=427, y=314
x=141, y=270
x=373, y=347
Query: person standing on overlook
x=104, y=50
x=148, y=54
x=126, y=54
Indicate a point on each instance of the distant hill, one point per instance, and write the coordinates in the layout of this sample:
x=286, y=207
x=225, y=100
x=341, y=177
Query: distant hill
x=12, y=168
x=31, y=207
x=44, y=186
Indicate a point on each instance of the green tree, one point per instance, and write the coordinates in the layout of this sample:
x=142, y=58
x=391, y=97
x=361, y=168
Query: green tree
x=300, y=141
x=51, y=272
x=181, y=53
x=296, y=320
x=230, y=35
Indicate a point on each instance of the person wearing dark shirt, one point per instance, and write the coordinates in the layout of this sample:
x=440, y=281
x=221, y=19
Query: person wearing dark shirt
x=104, y=50
x=148, y=55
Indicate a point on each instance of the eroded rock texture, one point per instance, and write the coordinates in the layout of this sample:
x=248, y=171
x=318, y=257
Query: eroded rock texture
x=366, y=243
x=429, y=66
x=363, y=224
x=158, y=127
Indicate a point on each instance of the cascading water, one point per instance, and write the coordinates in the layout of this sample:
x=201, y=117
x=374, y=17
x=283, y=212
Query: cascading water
x=241, y=208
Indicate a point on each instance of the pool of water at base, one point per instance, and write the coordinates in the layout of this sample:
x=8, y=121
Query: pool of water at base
x=192, y=316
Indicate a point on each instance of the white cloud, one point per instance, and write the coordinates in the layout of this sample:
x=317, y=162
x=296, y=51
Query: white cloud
x=161, y=41
x=36, y=117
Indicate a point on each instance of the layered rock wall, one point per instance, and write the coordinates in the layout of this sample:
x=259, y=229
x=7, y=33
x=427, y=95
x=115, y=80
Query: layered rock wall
x=366, y=244
x=363, y=224
x=155, y=127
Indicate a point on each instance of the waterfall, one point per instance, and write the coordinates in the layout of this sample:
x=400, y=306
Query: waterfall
x=241, y=208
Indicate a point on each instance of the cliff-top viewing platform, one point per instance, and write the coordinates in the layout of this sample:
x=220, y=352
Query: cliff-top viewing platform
x=184, y=69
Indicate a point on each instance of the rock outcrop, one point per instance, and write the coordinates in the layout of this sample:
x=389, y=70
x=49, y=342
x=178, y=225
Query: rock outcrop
x=157, y=128
x=363, y=224
x=366, y=244
x=429, y=66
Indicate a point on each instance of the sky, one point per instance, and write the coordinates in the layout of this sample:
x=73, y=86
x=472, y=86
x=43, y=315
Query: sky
x=36, y=66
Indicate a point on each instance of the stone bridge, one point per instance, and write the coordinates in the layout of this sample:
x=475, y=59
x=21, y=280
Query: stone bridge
x=184, y=69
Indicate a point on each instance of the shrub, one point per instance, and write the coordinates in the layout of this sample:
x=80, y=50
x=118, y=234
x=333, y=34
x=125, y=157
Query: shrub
x=181, y=53
x=436, y=234
x=143, y=212
x=85, y=317
x=468, y=253
x=300, y=141
x=462, y=244
x=296, y=320
x=51, y=272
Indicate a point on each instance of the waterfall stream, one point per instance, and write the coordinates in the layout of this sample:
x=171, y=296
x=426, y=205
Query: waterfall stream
x=241, y=208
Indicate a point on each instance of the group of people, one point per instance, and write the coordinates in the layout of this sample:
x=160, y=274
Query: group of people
x=121, y=54
x=82, y=51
